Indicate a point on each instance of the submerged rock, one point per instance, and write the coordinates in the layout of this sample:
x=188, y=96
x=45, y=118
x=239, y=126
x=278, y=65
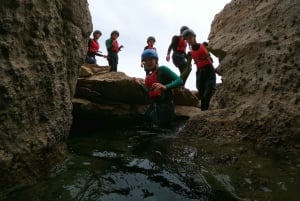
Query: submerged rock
x=258, y=44
x=41, y=48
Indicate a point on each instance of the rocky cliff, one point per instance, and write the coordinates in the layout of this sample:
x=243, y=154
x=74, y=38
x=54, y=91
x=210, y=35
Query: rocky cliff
x=258, y=43
x=41, y=48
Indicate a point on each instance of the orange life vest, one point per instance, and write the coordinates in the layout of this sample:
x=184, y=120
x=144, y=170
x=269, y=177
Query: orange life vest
x=201, y=56
x=181, y=44
x=150, y=47
x=150, y=80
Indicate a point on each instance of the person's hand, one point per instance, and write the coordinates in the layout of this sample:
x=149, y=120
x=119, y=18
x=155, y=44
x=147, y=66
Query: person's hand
x=159, y=86
x=168, y=58
x=121, y=47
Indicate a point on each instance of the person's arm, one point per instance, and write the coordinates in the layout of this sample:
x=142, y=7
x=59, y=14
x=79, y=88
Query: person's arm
x=120, y=47
x=170, y=46
x=176, y=80
x=173, y=44
x=108, y=44
x=101, y=55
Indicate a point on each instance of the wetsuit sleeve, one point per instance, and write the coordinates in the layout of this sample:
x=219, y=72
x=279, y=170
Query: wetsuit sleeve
x=165, y=73
x=108, y=44
x=173, y=44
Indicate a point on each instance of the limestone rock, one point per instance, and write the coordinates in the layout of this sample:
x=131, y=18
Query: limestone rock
x=88, y=70
x=185, y=97
x=258, y=43
x=115, y=95
x=109, y=88
x=42, y=44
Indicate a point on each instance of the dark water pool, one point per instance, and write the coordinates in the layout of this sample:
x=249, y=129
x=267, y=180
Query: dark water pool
x=132, y=164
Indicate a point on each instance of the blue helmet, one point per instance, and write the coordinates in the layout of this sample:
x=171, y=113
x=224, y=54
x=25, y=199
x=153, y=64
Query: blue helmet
x=149, y=53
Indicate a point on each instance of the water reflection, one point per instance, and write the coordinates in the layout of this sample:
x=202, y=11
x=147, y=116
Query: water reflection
x=118, y=165
x=143, y=165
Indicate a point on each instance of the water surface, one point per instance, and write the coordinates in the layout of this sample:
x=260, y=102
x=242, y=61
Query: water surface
x=134, y=164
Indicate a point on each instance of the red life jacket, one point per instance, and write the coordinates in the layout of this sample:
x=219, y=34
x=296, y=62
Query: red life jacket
x=93, y=46
x=201, y=56
x=181, y=44
x=150, y=80
x=150, y=47
x=115, y=46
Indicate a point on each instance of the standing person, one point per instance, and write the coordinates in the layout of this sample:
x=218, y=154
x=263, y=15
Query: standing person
x=205, y=75
x=93, y=48
x=150, y=45
x=158, y=87
x=113, y=49
x=178, y=46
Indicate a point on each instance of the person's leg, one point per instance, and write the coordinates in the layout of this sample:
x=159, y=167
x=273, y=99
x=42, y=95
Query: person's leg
x=182, y=64
x=110, y=60
x=179, y=60
x=153, y=114
x=200, y=84
x=114, y=62
x=163, y=113
x=210, y=86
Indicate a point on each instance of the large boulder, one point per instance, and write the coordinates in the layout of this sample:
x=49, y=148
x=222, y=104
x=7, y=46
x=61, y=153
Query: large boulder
x=42, y=44
x=258, y=44
x=114, y=95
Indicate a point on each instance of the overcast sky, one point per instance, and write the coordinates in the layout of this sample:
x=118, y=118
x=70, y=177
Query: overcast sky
x=138, y=19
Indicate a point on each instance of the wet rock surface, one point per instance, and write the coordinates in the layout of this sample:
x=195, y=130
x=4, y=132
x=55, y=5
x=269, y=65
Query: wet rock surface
x=41, y=48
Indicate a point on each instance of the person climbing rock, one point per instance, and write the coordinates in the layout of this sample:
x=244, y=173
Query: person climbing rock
x=179, y=57
x=113, y=49
x=150, y=45
x=205, y=74
x=158, y=88
x=93, y=48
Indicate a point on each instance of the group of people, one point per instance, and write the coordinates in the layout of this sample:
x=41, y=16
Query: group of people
x=112, y=47
x=160, y=80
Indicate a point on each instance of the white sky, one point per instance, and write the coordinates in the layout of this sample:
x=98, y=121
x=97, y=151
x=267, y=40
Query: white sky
x=138, y=19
